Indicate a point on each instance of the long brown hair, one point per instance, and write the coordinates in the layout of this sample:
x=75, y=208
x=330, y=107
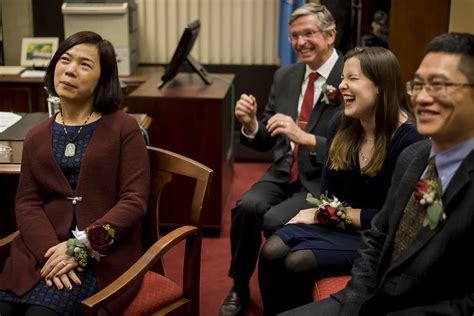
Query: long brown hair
x=381, y=67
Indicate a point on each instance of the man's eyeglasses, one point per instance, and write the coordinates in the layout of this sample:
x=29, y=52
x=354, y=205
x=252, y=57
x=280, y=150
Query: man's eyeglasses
x=435, y=88
x=307, y=35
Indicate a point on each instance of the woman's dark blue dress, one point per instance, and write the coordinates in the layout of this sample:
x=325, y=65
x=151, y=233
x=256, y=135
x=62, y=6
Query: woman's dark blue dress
x=336, y=249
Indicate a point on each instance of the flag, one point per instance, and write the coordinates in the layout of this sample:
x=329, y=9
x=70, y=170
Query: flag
x=285, y=52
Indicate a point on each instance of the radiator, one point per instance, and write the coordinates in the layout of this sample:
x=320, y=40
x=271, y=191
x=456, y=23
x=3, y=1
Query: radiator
x=232, y=31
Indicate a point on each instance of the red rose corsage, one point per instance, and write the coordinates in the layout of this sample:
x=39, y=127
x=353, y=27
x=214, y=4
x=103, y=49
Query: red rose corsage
x=93, y=242
x=329, y=211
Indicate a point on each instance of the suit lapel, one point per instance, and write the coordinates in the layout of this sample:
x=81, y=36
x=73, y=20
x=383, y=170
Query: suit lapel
x=460, y=179
x=334, y=80
x=295, y=81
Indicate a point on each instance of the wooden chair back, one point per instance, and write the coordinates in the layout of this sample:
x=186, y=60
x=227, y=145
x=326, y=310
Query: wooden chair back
x=165, y=167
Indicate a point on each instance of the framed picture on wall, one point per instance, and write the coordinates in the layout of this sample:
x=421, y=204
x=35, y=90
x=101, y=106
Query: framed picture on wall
x=38, y=51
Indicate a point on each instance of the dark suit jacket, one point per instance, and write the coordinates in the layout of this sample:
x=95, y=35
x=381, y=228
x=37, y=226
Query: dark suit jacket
x=113, y=184
x=283, y=98
x=435, y=274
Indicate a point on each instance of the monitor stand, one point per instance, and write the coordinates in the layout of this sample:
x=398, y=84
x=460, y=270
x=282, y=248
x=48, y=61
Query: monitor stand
x=197, y=67
x=201, y=71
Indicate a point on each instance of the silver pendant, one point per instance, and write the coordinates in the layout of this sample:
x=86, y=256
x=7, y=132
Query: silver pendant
x=70, y=150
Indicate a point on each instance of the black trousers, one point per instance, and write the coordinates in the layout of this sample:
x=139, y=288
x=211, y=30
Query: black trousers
x=282, y=289
x=266, y=207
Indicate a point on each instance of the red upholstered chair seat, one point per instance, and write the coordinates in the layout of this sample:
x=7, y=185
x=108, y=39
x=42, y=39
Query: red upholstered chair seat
x=327, y=286
x=155, y=292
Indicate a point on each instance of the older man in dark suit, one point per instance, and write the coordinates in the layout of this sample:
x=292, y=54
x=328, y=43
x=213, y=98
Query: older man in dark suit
x=415, y=258
x=302, y=100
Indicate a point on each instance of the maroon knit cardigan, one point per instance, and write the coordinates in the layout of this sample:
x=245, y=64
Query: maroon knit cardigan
x=113, y=183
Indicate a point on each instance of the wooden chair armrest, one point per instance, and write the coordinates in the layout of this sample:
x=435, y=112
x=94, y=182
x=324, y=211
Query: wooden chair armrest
x=7, y=240
x=5, y=247
x=91, y=305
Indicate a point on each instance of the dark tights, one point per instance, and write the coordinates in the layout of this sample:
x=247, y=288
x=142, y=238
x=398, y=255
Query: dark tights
x=286, y=278
x=14, y=309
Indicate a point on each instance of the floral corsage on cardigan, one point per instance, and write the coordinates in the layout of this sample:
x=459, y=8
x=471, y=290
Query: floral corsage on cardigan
x=93, y=242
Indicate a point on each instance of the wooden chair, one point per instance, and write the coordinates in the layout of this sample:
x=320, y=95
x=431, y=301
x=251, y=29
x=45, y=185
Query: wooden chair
x=159, y=295
x=5, y=248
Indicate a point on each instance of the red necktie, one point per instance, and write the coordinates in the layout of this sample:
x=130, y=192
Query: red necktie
x=305, y=113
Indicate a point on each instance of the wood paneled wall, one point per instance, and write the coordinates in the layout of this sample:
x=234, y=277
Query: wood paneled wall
x=413, y=23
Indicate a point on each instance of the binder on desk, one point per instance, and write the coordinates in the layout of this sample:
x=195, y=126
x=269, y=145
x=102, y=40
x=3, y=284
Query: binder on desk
x=18, y=130
x=7, y=119
x=11, y=141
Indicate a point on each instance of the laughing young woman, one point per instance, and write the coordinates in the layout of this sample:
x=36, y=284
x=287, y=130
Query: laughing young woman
x=82, y=192
x=364, y=143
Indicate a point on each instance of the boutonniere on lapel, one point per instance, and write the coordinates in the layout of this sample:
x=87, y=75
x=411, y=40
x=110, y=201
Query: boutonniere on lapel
x=331, y=94
x=428, y=193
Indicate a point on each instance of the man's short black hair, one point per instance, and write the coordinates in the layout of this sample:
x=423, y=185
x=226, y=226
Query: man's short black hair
x=459, y=44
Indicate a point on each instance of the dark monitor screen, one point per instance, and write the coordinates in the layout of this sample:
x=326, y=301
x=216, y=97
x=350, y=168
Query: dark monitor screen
x=182, y=54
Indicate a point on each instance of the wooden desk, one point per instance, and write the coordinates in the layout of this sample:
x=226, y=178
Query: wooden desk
x=10, y=158
x=22, y=94
x=194, y=120
x=27, y=95
x=9, y=177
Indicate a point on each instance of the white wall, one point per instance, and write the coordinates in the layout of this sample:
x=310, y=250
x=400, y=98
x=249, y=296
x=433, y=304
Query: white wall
x=242, y=32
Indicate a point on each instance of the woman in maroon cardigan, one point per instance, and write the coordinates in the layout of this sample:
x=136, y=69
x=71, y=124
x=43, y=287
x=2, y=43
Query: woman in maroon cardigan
x=83, y=170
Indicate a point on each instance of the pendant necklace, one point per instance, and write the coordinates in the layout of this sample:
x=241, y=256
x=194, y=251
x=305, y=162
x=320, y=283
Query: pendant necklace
x=363, y=158
x=70, y=150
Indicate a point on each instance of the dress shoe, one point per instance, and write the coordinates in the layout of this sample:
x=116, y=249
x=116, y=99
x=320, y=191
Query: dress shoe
x=234, y=303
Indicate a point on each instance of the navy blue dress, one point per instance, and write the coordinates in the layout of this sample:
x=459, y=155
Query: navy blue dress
x=65, y=302
x=335, y=249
